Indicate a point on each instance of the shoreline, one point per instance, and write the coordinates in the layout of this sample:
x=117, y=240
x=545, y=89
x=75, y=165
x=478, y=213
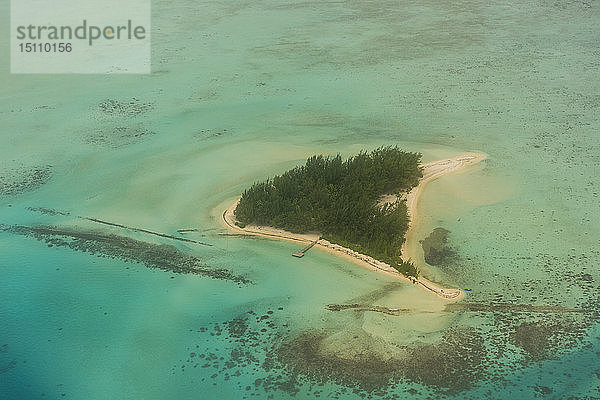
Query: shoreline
x=431, y=171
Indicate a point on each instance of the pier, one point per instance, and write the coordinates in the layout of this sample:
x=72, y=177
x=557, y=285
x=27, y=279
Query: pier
x=300, y=253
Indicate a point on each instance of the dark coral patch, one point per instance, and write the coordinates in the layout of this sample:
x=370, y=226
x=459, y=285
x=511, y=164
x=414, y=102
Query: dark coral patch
x=161, y=256
x=19, y=180
x=454, y=364
x=435, y=247
x=128, y=108
x=544, y=339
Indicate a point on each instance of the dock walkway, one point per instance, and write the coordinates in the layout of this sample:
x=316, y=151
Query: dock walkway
x=300, y=253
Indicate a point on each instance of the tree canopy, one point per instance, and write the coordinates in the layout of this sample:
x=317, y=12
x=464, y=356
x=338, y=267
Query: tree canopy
x=340, y=199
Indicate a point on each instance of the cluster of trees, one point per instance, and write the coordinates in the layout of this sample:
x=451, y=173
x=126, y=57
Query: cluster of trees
x=340, y=199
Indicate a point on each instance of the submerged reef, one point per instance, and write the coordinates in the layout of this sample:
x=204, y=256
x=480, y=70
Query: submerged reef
x=118, y=136
x=354, y=360
x=211, y=133
x=341, y=356
x=366, y=307
x=436, y=249
x=161, y=256
x=128, y=108
x=547, y=338
x=453, y=364
x=15, y=181
x=121, y=123
x=48, y=211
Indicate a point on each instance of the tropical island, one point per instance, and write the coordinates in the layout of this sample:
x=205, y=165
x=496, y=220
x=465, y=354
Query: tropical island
x=361, y=207
x=341, y=200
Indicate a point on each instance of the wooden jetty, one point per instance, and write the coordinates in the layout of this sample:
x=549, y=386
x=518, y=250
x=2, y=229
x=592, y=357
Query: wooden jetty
x=300, y=253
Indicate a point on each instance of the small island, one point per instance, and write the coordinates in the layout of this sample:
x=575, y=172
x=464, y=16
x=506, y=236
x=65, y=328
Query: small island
x=341, y=199
x=361, y=207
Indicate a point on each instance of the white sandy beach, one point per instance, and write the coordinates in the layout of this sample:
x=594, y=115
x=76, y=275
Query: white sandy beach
x=431, y=171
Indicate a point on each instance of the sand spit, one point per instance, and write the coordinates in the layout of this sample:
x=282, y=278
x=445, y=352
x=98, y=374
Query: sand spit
x=432, y=171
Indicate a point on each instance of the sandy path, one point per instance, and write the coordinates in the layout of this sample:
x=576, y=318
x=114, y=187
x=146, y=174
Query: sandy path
x=431, y=171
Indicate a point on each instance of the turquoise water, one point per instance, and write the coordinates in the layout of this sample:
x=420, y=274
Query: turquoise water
x=244, y=90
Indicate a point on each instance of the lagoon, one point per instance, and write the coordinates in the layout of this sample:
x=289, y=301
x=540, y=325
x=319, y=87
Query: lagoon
x=242, y=91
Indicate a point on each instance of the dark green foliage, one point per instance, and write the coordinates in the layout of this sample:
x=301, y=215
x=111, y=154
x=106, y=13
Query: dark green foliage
x=408, y=268
x=340, y=199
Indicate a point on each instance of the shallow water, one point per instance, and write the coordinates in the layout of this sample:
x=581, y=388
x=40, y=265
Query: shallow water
x=243, y=90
